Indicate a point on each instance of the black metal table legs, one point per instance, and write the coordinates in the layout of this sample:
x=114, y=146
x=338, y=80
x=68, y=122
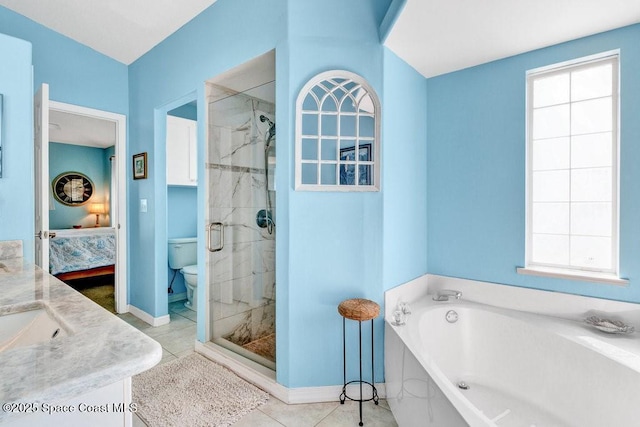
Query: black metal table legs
x=360, y=382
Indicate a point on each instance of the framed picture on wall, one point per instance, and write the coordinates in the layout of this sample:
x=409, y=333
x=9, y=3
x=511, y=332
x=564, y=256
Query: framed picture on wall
x=140, y=166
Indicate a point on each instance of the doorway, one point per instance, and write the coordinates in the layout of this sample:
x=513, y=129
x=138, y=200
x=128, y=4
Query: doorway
x=182, y=209
x=86, y=147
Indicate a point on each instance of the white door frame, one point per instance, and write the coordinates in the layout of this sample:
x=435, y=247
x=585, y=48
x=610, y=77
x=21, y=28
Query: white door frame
x=41, y=175
x=119, y=217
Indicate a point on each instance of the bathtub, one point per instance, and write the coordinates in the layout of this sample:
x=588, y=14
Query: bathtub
x=519, y=369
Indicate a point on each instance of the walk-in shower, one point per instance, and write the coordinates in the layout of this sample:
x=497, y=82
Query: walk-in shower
x=241, y=217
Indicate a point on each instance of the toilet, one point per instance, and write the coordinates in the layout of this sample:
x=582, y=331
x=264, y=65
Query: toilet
x=183, y=256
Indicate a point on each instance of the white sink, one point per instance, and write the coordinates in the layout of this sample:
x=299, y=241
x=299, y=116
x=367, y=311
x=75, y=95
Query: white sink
x=27, y=328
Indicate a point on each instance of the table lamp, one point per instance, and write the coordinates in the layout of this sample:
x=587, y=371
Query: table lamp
x=97, y=208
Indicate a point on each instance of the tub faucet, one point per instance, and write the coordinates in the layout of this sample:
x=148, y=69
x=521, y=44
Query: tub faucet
x=444, y=295
x=404, y=307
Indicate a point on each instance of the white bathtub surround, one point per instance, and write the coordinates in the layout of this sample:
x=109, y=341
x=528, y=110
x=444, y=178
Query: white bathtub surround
x=521, y=368
x=10, y=249
x=413, y=396
x=96, y=351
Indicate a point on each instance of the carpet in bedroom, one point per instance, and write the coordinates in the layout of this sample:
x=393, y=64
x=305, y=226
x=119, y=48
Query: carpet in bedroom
x=103, y=295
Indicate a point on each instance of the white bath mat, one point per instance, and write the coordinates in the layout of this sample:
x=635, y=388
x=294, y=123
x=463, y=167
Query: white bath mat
x=193, y=391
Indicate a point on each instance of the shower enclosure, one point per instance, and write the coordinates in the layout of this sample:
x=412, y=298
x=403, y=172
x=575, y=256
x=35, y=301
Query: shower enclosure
x=241, y=220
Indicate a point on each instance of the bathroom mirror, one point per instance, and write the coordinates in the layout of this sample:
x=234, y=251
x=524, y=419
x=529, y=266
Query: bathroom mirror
x=337, y=134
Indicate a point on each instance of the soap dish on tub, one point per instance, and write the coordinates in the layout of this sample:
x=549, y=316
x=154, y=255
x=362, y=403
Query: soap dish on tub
x=609, y=326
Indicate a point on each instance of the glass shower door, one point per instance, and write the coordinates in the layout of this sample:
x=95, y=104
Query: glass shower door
x=241, y=221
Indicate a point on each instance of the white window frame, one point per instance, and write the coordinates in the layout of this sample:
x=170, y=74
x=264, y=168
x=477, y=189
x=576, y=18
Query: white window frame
x=567, y=271
x=375, y=141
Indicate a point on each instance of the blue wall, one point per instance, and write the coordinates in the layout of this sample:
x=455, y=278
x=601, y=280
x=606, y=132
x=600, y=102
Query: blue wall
x=182, y=221
x=318, y=39
x=404, y=172
x=476, y=167
x=334, y=239
x=331, y=246
x=76, y=74
x=186, y=111
x=86, y=160
x=321, y=236
x=170, y=75
x=16, y=131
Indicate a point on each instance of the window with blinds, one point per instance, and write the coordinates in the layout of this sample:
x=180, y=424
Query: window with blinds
x=572, y=165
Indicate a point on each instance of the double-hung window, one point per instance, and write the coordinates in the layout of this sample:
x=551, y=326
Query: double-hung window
x=572, y=168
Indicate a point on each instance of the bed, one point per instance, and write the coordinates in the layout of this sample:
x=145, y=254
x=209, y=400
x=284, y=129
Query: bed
x=82, y=253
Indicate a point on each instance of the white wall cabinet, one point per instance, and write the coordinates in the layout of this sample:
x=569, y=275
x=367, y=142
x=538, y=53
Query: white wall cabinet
x=182, y=154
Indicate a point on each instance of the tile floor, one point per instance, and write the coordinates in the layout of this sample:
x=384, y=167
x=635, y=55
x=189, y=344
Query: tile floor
x=177, y=338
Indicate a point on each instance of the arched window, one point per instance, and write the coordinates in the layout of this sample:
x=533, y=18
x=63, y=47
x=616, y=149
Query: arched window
x=337, y=134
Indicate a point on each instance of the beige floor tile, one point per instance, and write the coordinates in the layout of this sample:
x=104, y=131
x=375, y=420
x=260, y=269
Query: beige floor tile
x=166, y=357
x=189, y=314
x=177, y=341
x=347, y=415
x=384, y=404
x=134, y=321
x=137, y=422
x=257, y=418
x=177, y=323
x=178, y=307
x=305, y=415
x=184, y=353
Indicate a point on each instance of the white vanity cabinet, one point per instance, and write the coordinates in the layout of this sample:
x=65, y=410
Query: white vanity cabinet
x=109, y=406
x=79, y=378
x=182, y=154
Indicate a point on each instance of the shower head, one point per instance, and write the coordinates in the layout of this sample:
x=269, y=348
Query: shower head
x=272, y=130
x=264, y=118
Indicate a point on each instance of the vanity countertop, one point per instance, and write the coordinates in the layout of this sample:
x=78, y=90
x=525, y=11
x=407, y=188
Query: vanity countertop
x=97, y=350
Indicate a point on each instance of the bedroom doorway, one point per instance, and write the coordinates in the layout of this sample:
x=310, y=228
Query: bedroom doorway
x=82, y=149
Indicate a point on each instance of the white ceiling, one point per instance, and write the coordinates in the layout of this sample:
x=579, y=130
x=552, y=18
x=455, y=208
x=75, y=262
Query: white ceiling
x=121, y=29
x=434, y=36
x=441, y=36
x=77, y=129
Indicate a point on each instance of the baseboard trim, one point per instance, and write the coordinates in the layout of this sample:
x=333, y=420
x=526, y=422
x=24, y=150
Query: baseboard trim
x=146, y=317
x=328, y=393
x=265, y=378
x=177, y=297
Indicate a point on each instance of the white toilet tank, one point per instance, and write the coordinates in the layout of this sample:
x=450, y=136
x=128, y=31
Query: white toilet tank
x=182, y=252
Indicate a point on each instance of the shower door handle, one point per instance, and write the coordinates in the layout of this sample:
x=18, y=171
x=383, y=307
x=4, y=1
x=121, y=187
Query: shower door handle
x=210, y=228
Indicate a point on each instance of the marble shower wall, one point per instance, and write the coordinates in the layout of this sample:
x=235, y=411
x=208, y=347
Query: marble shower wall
x=242, y=275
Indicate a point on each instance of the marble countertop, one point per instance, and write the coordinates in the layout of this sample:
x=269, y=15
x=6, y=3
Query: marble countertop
x=97, y=350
